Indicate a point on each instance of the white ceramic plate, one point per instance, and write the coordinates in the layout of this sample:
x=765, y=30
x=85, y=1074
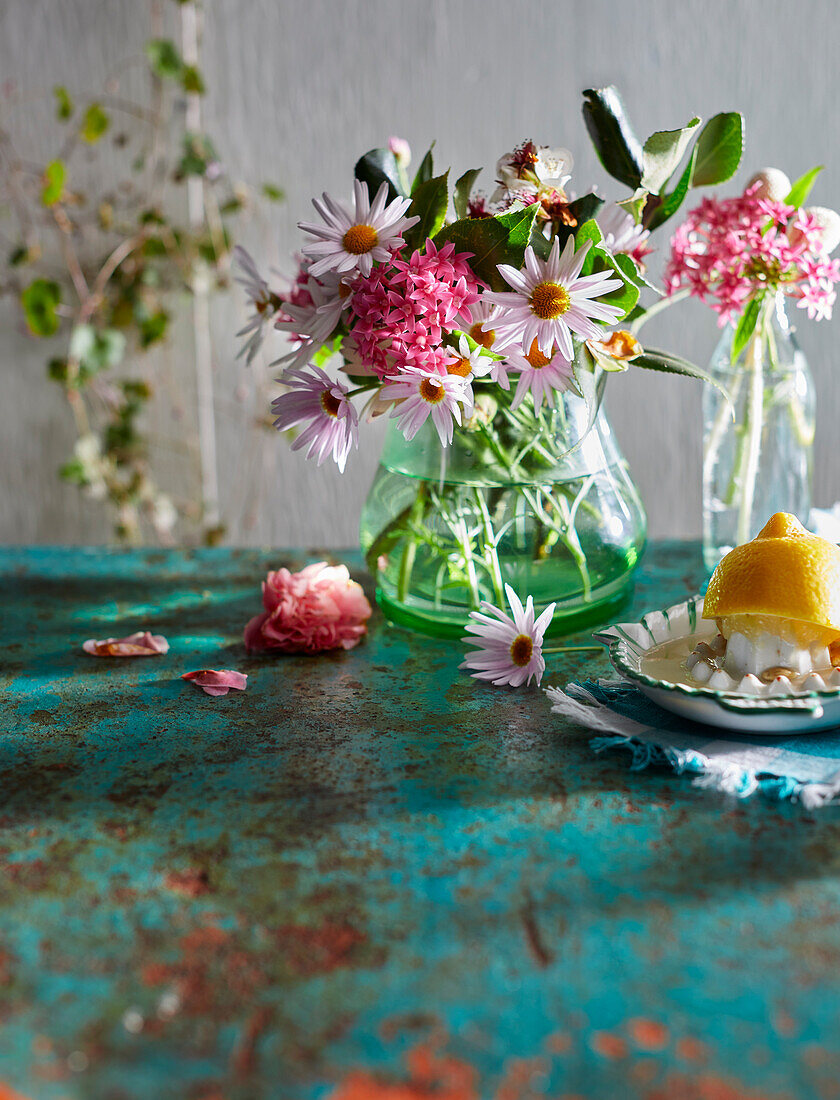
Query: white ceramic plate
x=803, y=712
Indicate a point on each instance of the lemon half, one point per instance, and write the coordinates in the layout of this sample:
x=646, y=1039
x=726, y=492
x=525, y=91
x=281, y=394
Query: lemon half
x=785, y=572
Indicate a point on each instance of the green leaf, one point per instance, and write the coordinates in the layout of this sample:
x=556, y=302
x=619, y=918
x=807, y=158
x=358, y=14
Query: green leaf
x=492, y=241
x=94, y=123
x=664, y=361
x=377, y=167
x=63, y=103
x=324, y=354
x=192, y=80
x=153, y=328
x=39, y=301
x=635, y=204
x=96, y=349
x=273, y=193
x=199, y=152
x=662, y=152
x=668, y=205
x=589, y=231
x=430, y=203
x=54, y=176
x=626, y=296
x=18, y=256
x=719, y=149
x=618, y=148
x=802, y=188
x=746, y=325
x=582, y=209
x=463, y=190
x=164, y=59
x=424, y=172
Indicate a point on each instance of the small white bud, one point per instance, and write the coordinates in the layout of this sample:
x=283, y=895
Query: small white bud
x=829, y=224
x=774, y=185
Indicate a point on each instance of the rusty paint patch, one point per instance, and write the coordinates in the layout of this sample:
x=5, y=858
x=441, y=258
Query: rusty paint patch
x=650, y=1035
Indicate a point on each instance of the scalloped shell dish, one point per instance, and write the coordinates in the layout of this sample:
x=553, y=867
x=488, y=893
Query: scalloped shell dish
x=628, y=643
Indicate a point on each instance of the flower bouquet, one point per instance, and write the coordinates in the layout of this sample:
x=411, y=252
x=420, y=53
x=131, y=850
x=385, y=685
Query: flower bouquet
x=487, y=339
x=748, y=256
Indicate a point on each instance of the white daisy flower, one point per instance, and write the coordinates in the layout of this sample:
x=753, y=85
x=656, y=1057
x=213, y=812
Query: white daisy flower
x=417, y=395
x=314, y=324
x=316, y=400
x=264, y=301
x=550, y=301
x=480, y=329
x=353, y=240
x=621, y=233
x=540, y=375
x=509, y=647
x=469, y=363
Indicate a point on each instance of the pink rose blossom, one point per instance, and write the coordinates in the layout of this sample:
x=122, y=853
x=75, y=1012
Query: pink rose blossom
x=317, y=609
x=214, y=681
x=141, y=644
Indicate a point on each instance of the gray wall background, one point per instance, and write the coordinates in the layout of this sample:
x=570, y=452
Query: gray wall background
x=299, y=88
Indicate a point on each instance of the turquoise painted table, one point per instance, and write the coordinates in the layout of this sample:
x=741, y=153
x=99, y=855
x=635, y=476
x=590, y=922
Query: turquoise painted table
x=370, y=878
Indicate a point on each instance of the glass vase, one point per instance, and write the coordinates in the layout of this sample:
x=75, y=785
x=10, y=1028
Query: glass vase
x=542, y=501
x=760, y=461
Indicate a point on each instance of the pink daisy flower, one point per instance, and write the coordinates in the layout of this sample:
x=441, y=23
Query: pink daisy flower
x=540, y=375
x=509, y=646
x=264, y=301
x=550, y=301
x=314, y=399
x=417, y=395
x=354, y=239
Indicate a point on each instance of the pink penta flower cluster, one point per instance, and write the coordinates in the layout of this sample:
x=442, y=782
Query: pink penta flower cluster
x=727, y=250
x=402, y=310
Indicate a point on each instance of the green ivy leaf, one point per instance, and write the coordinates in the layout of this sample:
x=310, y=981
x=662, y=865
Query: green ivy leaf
x=378, y=166
x=54, y=176
x=746, y=325
x=618, y=148
x=492, y=241
x=273, y=193
x=669, y=204
x=430, y=203
x=94, y=124
x=199, y=152
x=424, y=172
x=164, y=59
x=192, y=80
x=719, y=149
x=63, y=103
x=662, y=152
x=153, y=328
x=39, y=301
x=664, y=361
x=802, y=188
x=463, y=190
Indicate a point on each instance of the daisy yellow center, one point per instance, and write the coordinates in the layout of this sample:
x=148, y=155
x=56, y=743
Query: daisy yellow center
x=521, y=649
x=330, y=403
x=461, y=367
x=431, y=392
x=485, y=337
x=536, y=358
x=359, y=239
x=549, y=300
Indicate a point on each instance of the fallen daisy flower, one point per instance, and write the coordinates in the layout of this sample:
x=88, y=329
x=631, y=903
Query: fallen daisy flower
x=510, y=648
x=217, y=681
x=141, y=644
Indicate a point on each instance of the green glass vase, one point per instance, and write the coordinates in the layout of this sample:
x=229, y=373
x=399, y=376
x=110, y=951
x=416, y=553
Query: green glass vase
x=542, y=501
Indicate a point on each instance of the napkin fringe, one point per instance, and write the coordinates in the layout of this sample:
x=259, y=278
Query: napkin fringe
x=619, y=732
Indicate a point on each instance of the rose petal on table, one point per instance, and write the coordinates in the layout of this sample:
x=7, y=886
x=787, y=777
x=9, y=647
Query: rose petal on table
x=217, y=681
x=141, y=644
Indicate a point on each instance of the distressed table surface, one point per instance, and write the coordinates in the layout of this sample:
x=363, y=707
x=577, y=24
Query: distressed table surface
x=370, y=878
